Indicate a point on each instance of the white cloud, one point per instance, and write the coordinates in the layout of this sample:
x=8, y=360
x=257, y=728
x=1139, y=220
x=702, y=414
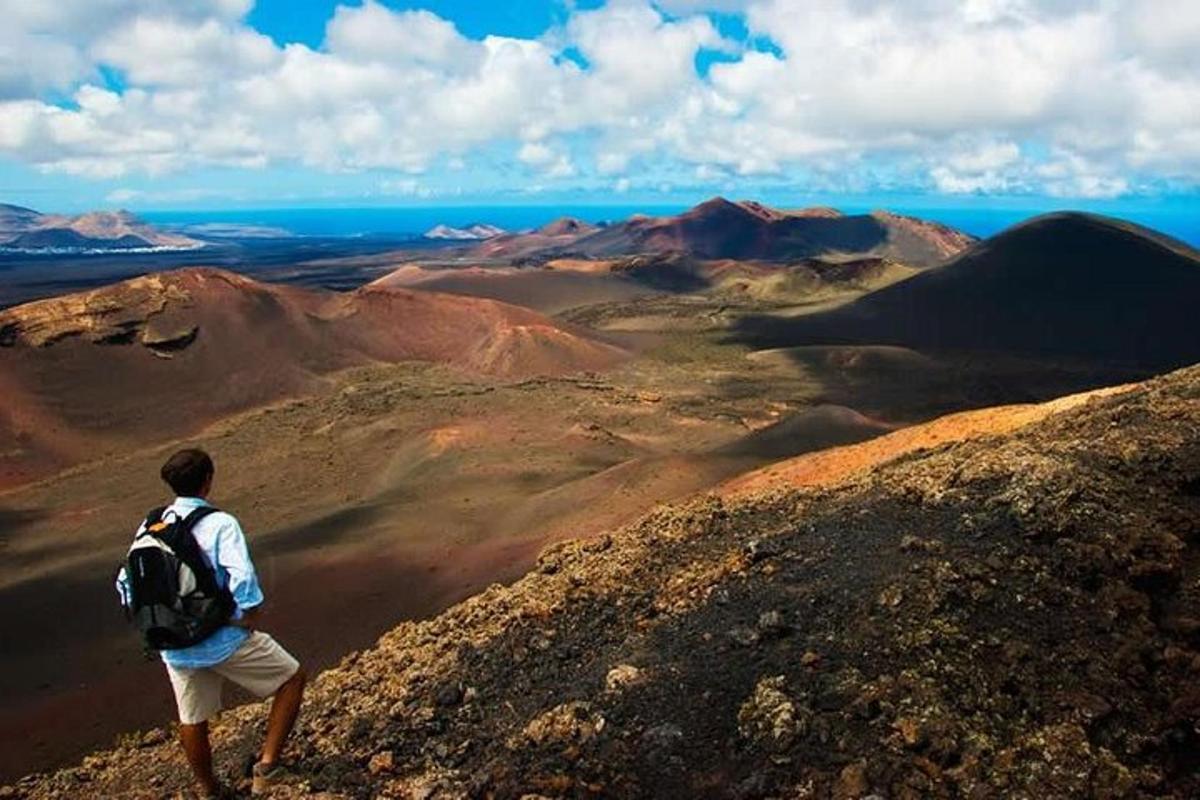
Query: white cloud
x=405, y=187
x=48, y=45
x=979, y=167
x=371, y=32
x=161, y=51
x=125, y=195
x=1083, y=97
x=1068, y=174
x=987, y=157
x=550, y=161
x=537, y=154
x=694, y=6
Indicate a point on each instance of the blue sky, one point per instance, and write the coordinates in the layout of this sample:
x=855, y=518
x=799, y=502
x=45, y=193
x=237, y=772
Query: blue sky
x=290, y=21
x=156, y=104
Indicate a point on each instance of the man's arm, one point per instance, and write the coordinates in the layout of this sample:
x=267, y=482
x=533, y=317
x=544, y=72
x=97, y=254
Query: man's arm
x=233, y=554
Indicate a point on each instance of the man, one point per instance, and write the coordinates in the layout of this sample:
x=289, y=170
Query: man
x=237, y=651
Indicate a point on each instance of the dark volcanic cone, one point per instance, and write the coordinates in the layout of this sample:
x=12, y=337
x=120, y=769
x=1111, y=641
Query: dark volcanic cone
x=1062, y=285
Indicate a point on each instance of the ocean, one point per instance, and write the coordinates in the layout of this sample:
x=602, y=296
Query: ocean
x=1181, y=222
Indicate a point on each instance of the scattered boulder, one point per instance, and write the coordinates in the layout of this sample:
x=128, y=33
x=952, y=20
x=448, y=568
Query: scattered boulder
x=769, y=718
x=381, y=762
x=450, y=695
x=852, y=782
x=915, y=544
x=771, y=625
x=566, y=724
x=662, y=737
x=743, y=636
x=622, y=677
x=757, y=550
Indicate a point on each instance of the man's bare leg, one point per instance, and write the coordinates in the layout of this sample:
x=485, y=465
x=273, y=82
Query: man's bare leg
x=284, y=709
x=199, y=755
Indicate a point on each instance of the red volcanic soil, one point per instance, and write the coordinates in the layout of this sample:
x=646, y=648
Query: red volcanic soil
x=559, y=233
x=567, y=226
x=168, y=353
x=914, y=234
x=832, y=466
x=549, y=291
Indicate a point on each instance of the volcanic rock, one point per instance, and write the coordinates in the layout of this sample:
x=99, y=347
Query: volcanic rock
x=1045, y=651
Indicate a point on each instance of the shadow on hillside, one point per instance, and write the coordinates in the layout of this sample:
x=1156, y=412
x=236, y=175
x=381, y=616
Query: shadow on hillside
x=914, y=383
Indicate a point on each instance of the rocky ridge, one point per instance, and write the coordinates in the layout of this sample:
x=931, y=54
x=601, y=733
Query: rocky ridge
x=1013, y=616
x=26, y=230
x=744, y=230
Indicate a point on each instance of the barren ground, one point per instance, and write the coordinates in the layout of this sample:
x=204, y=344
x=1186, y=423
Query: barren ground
x=395, y=491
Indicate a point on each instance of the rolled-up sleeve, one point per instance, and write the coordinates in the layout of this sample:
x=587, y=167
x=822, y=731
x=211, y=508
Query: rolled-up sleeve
x=233, y=556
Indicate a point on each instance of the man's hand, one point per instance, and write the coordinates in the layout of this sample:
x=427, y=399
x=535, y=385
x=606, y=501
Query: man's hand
x=251, y=619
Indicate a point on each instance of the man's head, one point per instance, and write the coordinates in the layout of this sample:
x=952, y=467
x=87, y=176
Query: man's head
x=189, y=473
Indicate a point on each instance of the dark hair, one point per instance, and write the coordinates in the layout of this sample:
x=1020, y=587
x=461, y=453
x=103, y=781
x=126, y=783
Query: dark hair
x=187, y=471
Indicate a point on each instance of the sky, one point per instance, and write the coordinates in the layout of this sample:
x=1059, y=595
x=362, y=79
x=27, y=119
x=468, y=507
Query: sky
x=167, y=104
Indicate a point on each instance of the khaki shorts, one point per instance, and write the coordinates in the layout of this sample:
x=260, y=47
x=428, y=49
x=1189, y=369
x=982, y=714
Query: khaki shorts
x=260, y=666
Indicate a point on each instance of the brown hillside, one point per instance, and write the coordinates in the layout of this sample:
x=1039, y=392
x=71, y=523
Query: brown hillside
x=548, y=291
x=1013, y=616
x=166, y=354
x=834, y=465
x=720, y=229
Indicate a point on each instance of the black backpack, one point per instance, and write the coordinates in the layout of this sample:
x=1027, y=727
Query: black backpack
x=174, y=598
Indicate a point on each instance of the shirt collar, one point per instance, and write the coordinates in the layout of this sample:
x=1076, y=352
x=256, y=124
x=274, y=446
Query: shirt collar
x=190, y=502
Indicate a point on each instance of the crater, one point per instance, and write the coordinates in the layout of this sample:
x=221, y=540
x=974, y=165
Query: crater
x=123, y=335
x=170, y=340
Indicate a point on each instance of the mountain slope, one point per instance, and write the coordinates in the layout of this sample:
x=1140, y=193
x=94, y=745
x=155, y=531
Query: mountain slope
x=26, y=229
x=831, y=466
x=563, y=284
x=1066, y=284
x=142, y=359
x=719, y=228
x=474, y=232
x=560, y=233
x=15, y=220
x=1010, y=617
x=545, y=290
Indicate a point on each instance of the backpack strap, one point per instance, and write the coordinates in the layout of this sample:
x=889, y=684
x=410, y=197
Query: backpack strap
x=181, y=539
x=153, y=517
x=195, y=515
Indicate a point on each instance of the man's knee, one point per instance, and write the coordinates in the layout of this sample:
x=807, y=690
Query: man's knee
x=298, y=679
